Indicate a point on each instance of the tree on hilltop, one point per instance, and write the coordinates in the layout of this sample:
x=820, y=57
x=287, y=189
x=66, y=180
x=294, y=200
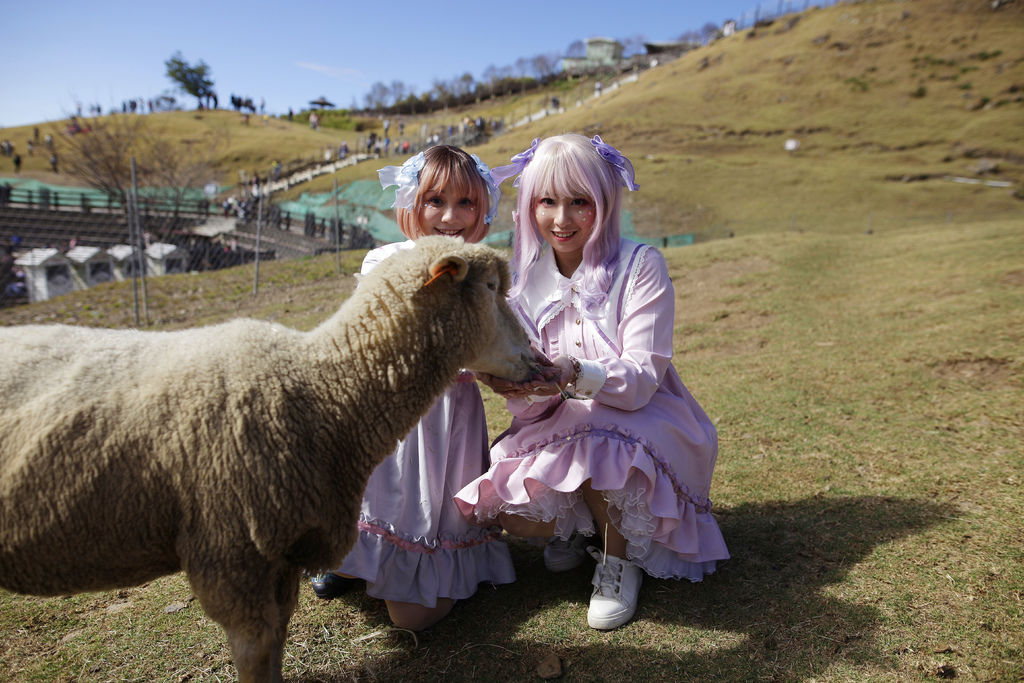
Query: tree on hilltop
x=709, y=32
x=193, y=79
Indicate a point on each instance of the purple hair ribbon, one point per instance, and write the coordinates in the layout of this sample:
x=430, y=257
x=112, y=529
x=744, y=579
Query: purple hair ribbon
x=519, y=162
x=617, y=160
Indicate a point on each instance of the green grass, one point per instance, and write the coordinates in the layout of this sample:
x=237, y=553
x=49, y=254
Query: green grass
x=857, y=342
x=867, y=392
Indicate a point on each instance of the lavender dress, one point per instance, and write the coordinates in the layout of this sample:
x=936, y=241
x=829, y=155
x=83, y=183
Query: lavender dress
x=635, y=430
x=413, y=544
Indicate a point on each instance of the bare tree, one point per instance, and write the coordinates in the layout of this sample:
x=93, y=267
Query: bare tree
x=102, y=157
x=576, y=49
x=442, y=91
x=522, y=69
x=633, y=45
x=709, y=32
x=544, y=65
x=506, y=73
x=690, y=36
x=491, y=75
x=377, y=98
x=175, y=169
x=399, y=91
x=464, y=84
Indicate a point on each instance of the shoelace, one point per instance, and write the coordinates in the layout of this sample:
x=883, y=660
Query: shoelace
x=560, y=544
x=610, y=582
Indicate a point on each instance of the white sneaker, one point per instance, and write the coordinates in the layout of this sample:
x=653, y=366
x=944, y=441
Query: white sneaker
x=561, y=556
x=616, y=587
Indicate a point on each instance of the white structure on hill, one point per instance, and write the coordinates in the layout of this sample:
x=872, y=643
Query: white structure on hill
x=47, y=274
x=165, y=259
x=601, y=53
x=91, y=266
x=125, y=264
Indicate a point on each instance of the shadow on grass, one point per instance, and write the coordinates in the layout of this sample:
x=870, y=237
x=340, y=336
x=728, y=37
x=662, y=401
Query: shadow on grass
x=778, y=609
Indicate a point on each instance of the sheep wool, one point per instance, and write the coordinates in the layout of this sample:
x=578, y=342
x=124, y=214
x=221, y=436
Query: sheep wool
x=238, y=452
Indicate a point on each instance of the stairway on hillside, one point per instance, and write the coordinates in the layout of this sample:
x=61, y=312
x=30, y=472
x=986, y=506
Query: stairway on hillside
x=286, y=243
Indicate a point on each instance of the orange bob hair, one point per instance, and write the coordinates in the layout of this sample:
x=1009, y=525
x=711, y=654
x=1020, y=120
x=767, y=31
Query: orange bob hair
x=447, y=168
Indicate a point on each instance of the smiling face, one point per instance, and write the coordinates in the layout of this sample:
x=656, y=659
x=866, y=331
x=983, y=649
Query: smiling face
x=448, y=212
x=451, y=198
x=566, y=223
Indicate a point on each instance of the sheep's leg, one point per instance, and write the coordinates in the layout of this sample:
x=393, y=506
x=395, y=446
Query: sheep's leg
x=253, y=655
x=254, y=607
x=287, y=595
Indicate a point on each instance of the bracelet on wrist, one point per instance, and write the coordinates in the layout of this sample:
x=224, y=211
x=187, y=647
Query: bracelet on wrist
x=569, y=391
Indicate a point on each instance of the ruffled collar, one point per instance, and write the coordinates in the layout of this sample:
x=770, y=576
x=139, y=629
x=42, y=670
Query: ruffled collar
x=547, y=292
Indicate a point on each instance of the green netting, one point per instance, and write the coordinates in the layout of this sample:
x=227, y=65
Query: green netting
x=502, y=238
x=628, y=231
x=384, y=229
x=58, y=194
x=161, y=193
x=362, y=202
x=313, y=200
x=66, y=195
x=368, y=193
x=359, y=203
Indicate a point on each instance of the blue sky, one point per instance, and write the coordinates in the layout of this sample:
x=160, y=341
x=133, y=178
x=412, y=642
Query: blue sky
x=54, y=54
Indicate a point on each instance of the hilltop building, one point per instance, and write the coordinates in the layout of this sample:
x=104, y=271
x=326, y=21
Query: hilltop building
x=601, y=53
x=605, y=54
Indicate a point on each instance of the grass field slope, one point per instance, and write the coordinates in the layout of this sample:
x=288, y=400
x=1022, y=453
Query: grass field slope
x=904, y=110
x=887, y=100
x=861, y=358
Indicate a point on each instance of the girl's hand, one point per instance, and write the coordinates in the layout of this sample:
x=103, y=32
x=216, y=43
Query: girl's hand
x=549, y=379
x=568, y=371
x=544, y=375
x=499, y=385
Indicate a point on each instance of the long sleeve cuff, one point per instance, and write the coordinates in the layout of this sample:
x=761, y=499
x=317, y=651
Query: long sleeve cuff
x=590, y=380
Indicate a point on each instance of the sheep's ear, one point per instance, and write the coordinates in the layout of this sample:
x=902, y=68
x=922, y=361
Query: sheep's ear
x=456, y=266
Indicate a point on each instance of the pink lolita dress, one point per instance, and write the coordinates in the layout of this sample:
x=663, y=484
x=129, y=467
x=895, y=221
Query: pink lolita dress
x=633, y=428
x=413, y=544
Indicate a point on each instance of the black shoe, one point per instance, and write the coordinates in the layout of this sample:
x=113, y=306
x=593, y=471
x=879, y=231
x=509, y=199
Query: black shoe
x=329, y=585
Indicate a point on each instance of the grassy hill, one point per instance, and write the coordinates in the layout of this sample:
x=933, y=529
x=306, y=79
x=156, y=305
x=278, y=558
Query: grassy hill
x=872, y=90
x=867, y=387
x=888, y=100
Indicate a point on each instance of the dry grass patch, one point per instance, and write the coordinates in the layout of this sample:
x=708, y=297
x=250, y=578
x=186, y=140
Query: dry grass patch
x=870, y=485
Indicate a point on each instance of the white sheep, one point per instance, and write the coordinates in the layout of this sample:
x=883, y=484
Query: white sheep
x=237, y=452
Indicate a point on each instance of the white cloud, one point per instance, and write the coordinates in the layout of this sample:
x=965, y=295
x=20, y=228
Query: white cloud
x=340, y=73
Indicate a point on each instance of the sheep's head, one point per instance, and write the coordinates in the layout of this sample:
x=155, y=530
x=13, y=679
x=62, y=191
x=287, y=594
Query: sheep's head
x=478, y=278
